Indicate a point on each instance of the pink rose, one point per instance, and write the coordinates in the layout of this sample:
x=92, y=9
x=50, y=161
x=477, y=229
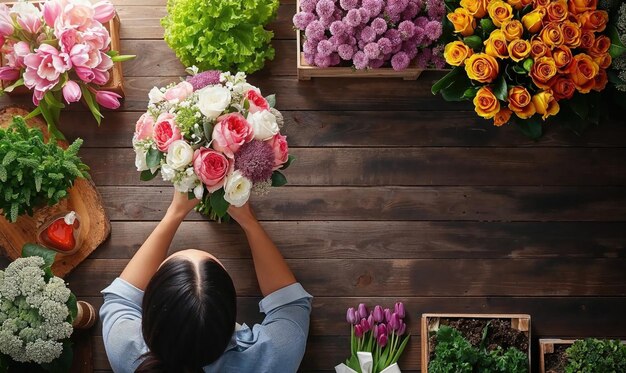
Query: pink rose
x=144, y=127
x=230, y=132
x=211, y=167
x=179, y=92
x=44, y=67
x=281, y=150
x=165, y=131
x=257, y=102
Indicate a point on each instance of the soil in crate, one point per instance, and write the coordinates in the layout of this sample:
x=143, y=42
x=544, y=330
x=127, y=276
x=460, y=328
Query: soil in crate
x=500, y=333
x=555, y=362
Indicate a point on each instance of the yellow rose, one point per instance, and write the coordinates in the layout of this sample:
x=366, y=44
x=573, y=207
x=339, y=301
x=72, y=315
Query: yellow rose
x=539, y=49
x=519, y=4
x=495, y=45
x=603, y=61
x=583, y=71
x=477, y=8
x=571, y=34
x=594, y=20
x=580, y=6
x=499, y=11
x=545, y=104
x=543, y=70
x=532, y=20
x=464, y=23
x=503, y=116
x=557, y=11
x=562, y=57
x=520, y=102
x=519, y=49
x=541, y=3
x=482, y=67
x=563, y=88
x=552, y=35
x=600, y=46
x=485, y=103
x=512, y=29
x=587, y=39
x=600, y=81
x=456, y=53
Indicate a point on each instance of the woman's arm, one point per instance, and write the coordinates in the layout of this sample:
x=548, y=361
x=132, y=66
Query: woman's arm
x=272, y=271
x=153, y=252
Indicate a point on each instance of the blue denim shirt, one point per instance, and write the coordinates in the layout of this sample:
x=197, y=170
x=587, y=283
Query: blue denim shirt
x=276, y=345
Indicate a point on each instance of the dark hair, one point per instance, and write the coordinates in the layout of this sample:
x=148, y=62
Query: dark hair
x=189, y=315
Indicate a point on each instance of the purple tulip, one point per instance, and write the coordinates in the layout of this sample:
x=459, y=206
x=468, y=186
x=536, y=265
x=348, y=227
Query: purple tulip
x=382, y=340
x=379, y=314
x=365, y=325
x=358, y=331
x=394, y=323
x=387, y=315
x=401, y=328
x=351, y=316
x=399, y=308
x=362, y=311
x=382, y=329
x=370, y=320
x=375, y=332
x=109, y=100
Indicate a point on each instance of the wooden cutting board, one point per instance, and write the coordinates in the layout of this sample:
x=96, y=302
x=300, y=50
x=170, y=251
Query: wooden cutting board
x=83, y=198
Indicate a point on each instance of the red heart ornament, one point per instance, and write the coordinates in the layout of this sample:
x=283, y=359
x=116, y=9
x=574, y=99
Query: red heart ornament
x=59, y=235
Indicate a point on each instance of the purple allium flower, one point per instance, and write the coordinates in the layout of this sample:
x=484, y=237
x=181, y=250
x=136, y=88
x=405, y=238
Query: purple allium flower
x=385, y=45
x=437, y=58
x=314, y=31
x=348, y=4
x=362, y=44
x=352, y=41
x=322, y=61
x=308, y=5
x=407, y=30
x=421, y=22
x=368, y=34
x=423, y=58
x=204, y=79
x=395, y=7
x=302, y=19
x=372, y=51
x=379, y=25
x=377, y=63
x=353, y=18
x=436, y=9
x=255, y=160
x=420, y=36
x=309, y=58
x=309, y=47
x=345, y=52
x=410, y=48
x=373, y=7
x=400, y=61
x=338, y=14
x=365, y=15
x=360, y=60
x=324, y=48
x=325, y=8
x=433, y=30
x=337, y=28
x=411, y=11
x=394, y=36
x=335, y=59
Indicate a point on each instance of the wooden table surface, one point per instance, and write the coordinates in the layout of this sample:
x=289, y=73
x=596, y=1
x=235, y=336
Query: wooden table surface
x=396, y=195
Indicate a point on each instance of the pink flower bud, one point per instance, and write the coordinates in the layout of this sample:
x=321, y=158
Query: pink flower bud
x=71, y=92
x=365, y=325
x=387, y=315
x=362, y=311
x=9, y=74
x=402, y=328
x=51, y=11
x=378, y=314
x=104, y=11
x=351, y=316
x=358, y=331
x=382, y=329
x=382, y=340
x=370, y=320
x=399, y=308
x=394, y=323
x=109, y=100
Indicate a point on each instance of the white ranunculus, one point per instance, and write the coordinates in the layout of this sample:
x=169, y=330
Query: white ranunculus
x=179, y=155
x=167, y=172
x=213, y=100
x=263, y=124
x=237, y=189
x=156, y=95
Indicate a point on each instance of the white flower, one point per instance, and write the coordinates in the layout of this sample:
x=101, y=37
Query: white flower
x=26, y=10
x=167, y=172
x=198, y=191
x=263, y=124
x=213, y=100
x=156, y=95
x=242, y=88
x=140, y=159
x=179, y=155
x=186, y=181
x=237, y=189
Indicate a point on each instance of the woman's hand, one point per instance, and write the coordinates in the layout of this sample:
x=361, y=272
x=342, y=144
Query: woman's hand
x=181, y=205
x=244, y=215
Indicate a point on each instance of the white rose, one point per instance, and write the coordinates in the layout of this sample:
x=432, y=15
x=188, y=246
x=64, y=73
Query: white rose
x=167, y=172
x=242, y=88
x=213, y=100
x=156, y=95
x=263, y=124
x=179, y=155
x=237, y=189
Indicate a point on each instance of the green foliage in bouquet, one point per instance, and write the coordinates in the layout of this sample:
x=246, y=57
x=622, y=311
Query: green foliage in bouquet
x=33, y=172
x=594, y=355
x=225, y=35
x=454, y=353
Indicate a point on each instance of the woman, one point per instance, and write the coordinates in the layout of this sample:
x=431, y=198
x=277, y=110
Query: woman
x=177, y=313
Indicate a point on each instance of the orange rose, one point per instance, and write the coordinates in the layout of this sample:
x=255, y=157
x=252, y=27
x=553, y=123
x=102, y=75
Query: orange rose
x=520, y=102
x=571, y=34
x=600, y=81
x=583, y=71
x=464, y=23
x=563, y=88
x=557, y=11
x=502, y=117
x=543, y=70
x=495, y=45
x=519, y=49
x=603, y=61
x=552, y=35
x=477, y=8
x=456, y=53
x=545, y=104
x=541, y=3
x=587, y=39
x=482, y=67
x=539, y=49
x=512, y=29
x=519, y=4
x=562, y=57
x=499, y=11
x=600, y=46
x=485, y=103
x=580, y=6
x=594, y=20
x=532, y=20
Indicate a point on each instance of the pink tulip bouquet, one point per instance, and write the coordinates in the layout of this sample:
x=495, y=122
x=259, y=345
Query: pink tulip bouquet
x=215, y=137
x=376, y=341
x=60, y=50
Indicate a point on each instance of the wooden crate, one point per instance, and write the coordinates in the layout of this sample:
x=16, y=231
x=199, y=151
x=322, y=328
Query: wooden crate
x=430, y=322
x=546, y=346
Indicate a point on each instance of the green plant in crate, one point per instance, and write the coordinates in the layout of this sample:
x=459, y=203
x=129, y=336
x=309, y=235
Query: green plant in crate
x=32, y=172
x=227, y=35
x=594, y=355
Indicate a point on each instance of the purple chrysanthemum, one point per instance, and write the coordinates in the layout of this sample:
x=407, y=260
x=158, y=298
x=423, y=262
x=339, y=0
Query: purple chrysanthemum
x=411, y=11
x=308, y=5
x=325, y=48
x=385, y=45
x=309, y=58
x=373, y=7
x=322, y=61
x=410, y=48
x=335, y=59
x=379, y=25
x=348, y=4
x=255, y=160
x=394, y=36
x=377, y=63
x=204, y=79
x=314, y=31
x=360, y=60
x=421, y=22
x=302, y=19
x=337, y=28
x=325, y=8
x=433, y=30
x=420, y=37
x=309, y=47
x=395, y=7
x=400, y=61
x=436, y=9
x=437, y=58
x=407, y=29
x=368, y=34
x=365, y=15
x=345, y=52
x=361, y=44
x=423, y=58
x=372, y=51
x=352, y=41
x=353, y=18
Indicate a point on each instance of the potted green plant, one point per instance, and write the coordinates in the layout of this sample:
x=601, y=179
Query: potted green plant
x=581, y=355
x=226, y=35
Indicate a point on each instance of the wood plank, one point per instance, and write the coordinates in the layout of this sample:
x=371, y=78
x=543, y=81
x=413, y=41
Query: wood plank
x=398, y=203
x=410, y=167
x=415, y=277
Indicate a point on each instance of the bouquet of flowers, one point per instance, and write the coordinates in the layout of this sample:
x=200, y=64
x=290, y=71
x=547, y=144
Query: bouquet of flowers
x=59, y=50
x=215, y=136
x=520, y=59
x=371, y=33
x=376, y=341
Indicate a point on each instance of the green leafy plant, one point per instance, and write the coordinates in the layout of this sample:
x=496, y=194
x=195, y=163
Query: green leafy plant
x=32, y=172
x=594, y=355
x=225, y=35
x=454, y=353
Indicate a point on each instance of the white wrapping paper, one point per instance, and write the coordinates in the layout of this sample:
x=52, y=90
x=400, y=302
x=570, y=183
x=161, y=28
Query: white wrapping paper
x=366, y=363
